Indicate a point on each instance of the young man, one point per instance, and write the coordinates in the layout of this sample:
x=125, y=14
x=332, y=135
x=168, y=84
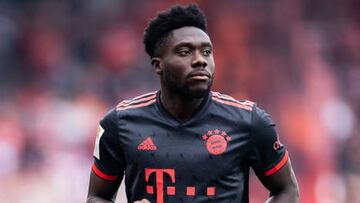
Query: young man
x=185, y=143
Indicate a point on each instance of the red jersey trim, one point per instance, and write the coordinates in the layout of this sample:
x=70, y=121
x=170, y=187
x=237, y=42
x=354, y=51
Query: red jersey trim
x=103, y=175
x=129, y=103
x=228, y=100
x=136, y=106
x=220, y=100
x=279, y=165
x=141, y=96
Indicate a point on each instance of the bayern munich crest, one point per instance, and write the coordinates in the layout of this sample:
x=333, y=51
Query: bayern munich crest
x=216, y=141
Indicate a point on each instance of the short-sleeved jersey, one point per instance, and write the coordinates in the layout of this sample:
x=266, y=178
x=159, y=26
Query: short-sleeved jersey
x=205, y=159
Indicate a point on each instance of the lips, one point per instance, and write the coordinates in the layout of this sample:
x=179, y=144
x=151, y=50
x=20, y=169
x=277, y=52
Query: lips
x=200, y=75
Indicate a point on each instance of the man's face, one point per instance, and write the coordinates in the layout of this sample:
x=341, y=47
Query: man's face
x=187, y=65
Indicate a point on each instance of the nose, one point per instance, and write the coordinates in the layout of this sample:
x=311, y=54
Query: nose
x=198, y=60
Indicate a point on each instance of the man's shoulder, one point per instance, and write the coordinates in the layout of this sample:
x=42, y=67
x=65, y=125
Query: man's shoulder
x=137, y=102
x=224, y=99
x=129, y=107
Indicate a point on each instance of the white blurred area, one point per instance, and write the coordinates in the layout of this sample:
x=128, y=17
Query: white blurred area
x=64, y=64
x=55, y=164
x=338, y=118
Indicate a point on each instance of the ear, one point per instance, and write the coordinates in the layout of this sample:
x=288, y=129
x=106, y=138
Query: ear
x=157, y=65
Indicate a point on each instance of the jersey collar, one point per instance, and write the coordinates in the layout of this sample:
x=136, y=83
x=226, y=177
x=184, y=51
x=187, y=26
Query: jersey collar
x=200, y=112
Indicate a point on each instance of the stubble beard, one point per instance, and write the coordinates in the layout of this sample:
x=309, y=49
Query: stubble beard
x=184, y=88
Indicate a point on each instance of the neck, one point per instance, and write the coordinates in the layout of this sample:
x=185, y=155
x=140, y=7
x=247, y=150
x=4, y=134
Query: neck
x=180, y=106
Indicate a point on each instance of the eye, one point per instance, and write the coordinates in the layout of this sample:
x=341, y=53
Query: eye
x=207, y=52
x=184, y=52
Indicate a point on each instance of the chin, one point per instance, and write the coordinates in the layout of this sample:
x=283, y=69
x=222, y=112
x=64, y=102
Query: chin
x=199, y=93
x=199, y=90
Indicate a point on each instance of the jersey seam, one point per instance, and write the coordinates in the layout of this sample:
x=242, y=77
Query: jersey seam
x=117, y=133
x=252, y=146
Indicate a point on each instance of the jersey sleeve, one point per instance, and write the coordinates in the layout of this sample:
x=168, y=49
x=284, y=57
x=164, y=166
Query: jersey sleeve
x=108, y=160
x=267, y=155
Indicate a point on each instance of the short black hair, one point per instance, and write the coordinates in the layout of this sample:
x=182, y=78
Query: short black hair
x=173, y=18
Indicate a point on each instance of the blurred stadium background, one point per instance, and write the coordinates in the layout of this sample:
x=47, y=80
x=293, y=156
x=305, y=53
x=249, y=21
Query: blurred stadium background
x=63, y=64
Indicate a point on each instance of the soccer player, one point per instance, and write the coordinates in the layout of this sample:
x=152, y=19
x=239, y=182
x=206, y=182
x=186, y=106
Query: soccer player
x=184, y=142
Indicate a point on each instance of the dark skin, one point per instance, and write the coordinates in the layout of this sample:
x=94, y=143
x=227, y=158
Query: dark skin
x=186, y=70
x=188, y=64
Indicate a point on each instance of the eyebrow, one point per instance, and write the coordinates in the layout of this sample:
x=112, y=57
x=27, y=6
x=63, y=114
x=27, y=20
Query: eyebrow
x=188, y=44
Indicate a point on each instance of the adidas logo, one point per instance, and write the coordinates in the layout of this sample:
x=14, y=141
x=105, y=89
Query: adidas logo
x=147, y=145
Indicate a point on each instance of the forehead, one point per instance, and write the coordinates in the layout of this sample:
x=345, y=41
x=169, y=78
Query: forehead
x=191, y=35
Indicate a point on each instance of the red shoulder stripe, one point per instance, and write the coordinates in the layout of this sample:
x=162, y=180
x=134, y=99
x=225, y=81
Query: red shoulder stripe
x=147, y=103
x=103, y=175
x=279, y=165
x=132, y=102
x=140, y=97
x=230, y=103
x=231, y=99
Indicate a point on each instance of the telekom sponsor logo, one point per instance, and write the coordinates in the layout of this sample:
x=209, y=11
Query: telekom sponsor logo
x=159, y=175
x=170, y=189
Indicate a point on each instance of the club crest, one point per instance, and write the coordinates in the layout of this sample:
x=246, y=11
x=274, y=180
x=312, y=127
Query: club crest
x=216, y=141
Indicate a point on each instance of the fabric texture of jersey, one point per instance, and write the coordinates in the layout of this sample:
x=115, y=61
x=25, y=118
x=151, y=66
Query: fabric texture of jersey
x=205, y=159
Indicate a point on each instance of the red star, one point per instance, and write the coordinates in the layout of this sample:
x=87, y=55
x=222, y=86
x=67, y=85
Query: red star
x=223, y=133
x=209, y=132
x=228, y=138
x=216, y=131
x=204, y=137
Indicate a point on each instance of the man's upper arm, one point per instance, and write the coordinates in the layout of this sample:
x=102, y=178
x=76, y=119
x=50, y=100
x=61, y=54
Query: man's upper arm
x=100, y=189
x=108, y=168
x=283, y=181
x=270, y=159
x=267, y=154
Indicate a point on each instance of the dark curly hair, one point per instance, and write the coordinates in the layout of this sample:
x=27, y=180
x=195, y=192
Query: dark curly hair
x=175, y=17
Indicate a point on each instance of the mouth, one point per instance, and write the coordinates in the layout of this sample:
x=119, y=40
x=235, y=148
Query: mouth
x=200, y=75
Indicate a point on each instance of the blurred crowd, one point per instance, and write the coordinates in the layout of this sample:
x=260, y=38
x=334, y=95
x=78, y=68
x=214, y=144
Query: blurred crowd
x=64, y=64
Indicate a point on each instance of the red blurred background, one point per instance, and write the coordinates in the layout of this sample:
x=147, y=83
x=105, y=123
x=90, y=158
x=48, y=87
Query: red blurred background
x=63, y=64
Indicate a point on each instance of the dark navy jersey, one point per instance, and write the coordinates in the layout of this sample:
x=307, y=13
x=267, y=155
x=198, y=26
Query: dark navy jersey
x=205, y=159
